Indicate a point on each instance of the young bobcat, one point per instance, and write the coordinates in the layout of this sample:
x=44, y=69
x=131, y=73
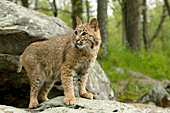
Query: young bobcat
x=66, y=55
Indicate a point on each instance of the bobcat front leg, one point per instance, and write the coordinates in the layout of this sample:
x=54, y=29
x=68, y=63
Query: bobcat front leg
x=67, y=81
x=83, y=92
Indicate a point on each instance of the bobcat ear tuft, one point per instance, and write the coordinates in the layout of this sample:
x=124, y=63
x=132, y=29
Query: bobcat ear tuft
x=94, y=24
x=78, y=21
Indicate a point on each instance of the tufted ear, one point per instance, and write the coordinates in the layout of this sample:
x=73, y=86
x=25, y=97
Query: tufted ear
x=94, y=24
x=78, y=21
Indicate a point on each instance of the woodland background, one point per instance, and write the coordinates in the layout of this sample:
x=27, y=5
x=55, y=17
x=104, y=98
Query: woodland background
x=135, y=36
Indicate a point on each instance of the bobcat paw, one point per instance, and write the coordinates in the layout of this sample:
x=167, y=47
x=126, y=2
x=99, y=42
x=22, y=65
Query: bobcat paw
x=87, y=95
x=42, y=99
x=33, y=105
x=69, y=101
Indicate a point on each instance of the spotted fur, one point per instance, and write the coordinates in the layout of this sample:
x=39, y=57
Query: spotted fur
x=65, y=55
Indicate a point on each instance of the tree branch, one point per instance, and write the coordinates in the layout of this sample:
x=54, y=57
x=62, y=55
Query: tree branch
x=160, y=24
x=167, y=6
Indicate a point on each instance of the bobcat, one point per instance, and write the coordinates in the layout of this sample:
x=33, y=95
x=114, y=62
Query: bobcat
x=61, y=58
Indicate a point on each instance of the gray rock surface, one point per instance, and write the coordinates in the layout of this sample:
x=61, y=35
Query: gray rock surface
x=9, y=62
x=10, y=109
x=19, y=27
x=146, y=80
x=82, y=105
x=157, y=95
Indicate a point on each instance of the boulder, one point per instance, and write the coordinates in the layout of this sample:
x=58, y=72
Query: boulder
x=20, y=27
x=134, y=78
x=56, y=105
x=146, y=80
x=157, y=95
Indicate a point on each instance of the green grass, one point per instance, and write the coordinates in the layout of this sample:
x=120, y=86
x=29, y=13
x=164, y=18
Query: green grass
x=155, y=65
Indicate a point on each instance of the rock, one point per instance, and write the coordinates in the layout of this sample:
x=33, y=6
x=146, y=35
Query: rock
x=151, y=108
x=136, y=75
x=97, y=76
x=156, y=95
x=166, y=84
x=85, y=106
x=135, y=78
x=19, y=27
x=9, y=109
x=56, y=105
x=144, y=79
x=9, y=62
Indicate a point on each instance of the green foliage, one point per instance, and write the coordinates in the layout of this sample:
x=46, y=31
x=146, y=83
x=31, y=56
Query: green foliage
x=66, y=18
x=44, y=7
x=134, y=90
x=156, y=64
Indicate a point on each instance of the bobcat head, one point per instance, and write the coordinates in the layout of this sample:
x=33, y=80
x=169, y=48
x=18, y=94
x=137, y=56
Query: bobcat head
x=86, y=35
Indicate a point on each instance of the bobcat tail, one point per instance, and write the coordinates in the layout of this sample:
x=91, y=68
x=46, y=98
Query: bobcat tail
x=19, y=67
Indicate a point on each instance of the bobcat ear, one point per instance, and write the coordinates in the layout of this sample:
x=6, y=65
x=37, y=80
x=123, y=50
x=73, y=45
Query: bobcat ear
x=94, y=24
x=78, y=21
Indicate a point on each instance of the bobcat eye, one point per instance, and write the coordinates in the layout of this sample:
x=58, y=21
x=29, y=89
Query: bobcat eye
x=83, y=33
x=76, y=32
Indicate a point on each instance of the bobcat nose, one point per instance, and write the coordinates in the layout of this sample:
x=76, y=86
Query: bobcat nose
x=76, y=39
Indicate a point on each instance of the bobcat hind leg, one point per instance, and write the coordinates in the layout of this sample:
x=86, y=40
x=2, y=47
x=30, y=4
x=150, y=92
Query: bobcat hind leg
x=35, y=89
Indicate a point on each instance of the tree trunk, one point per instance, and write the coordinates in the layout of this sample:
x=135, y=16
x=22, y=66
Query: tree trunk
x=132, y=25
x=145, y=31
x=36, y=4
x=167, y=6
x=25, y=3
x=103, y=25
x=77, y=10
x=87, y=10
x=123, y=5
x=55, y=8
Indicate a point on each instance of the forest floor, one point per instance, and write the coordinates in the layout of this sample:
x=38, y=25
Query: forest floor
x=133, y=74
x=133, y=87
